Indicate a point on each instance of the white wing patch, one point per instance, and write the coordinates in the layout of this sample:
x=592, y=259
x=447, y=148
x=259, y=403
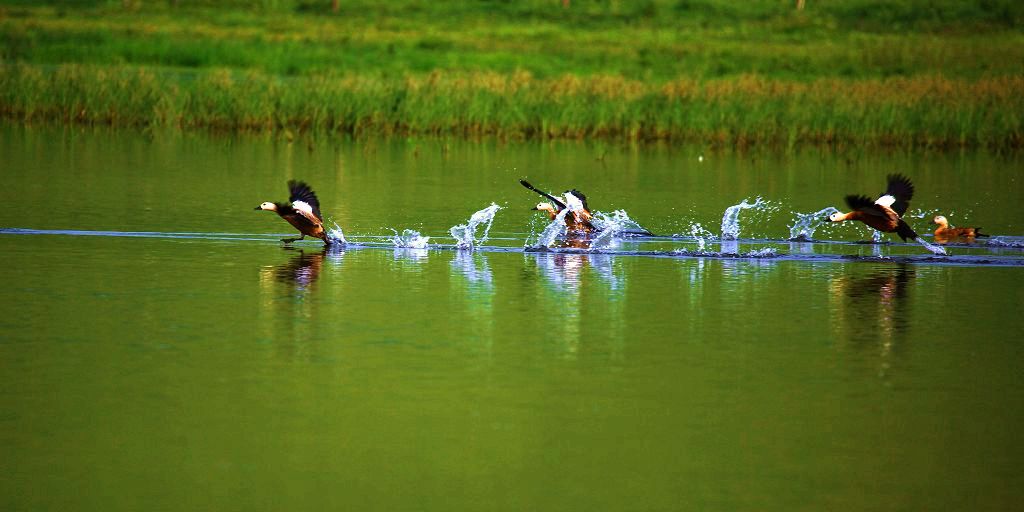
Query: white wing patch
x=573, y=203
x=886, y=201
x=303, y=207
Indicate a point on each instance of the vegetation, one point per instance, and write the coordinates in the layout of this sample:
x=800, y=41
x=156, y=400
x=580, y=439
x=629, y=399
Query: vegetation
x=931, y=73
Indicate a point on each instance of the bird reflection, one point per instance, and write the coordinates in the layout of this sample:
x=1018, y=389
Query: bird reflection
x=565, y=269
x=873, y=307
x=301, y=271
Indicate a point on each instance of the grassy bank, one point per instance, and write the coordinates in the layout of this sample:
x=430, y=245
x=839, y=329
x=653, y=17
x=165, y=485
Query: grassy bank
x=858, y=72
x=920, y=111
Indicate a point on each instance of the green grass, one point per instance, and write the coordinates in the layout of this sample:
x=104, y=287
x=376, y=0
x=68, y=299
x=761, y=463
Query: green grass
x=941, y=73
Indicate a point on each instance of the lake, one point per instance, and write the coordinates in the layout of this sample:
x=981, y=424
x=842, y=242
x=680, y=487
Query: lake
x=161, y=349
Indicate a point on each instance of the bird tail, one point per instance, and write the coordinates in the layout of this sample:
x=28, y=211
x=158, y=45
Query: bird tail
x=905, y=232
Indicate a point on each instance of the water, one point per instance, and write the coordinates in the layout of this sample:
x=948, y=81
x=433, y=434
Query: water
x=161, y=349
x=731, y=217
x=805, y=224
x=465, y=235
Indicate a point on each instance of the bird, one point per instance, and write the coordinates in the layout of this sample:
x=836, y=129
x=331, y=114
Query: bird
x=301, y=211
x=944, y=233
x=885, y=213
x=577, y=219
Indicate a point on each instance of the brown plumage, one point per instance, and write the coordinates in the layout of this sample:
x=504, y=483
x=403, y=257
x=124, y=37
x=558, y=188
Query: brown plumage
x=885, y=213
x=301, y=211
x=944, y=233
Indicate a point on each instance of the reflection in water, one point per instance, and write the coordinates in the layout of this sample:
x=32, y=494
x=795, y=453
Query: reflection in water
x=564, y=270
x=288, y=303
x=478, y=287
x=872, y=307
x=474, y=267
x=566, y=274
x=301, y=271
x=409, y=255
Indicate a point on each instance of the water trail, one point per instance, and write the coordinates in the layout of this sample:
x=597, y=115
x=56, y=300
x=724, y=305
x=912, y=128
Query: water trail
x=465, y=234
x=552, y=232
x=336, y=236
x=410, y=239
x=731, y=217
x=933, y=248
x=806, y=224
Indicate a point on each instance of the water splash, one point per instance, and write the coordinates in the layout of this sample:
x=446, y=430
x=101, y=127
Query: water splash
x=620, y=222
x=806, y=224
x=933, y=248
x=876, y=236
x=610, y=227
x=410, y=239
x=554, y=230
x=701, y=235
x=336, y=236
x=731, y=217
x=465, y=234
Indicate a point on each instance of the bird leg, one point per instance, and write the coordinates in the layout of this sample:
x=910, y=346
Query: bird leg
x=290, y=240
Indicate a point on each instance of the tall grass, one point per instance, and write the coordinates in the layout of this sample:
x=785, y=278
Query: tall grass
x=929, y=111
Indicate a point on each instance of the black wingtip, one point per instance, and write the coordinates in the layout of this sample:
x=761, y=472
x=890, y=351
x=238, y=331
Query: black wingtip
x=899, y=186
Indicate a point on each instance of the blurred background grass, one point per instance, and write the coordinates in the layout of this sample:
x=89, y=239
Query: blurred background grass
x=933, y=73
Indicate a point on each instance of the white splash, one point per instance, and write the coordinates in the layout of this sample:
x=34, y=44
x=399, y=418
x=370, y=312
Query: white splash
x=806, y=224
x=933, y=248
x=465, y=234
x=701, y=235
x=876, y=236
x=767, y=252
x=618, y=221
x=731, y=218
x=336, y=236
x=554, y=230
x=410, y=239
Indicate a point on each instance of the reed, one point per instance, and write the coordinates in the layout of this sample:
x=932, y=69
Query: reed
x=934, y=73
x=925, y=111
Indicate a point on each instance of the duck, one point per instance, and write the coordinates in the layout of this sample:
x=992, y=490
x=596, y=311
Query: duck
x=301, y=211
x=578, y=219
x=884, y=214
x=944, y=233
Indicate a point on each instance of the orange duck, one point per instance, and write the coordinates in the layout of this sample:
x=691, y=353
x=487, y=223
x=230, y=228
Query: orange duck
x=301, y=211
x=576, y=220
x=885, y=213
x=944, y=233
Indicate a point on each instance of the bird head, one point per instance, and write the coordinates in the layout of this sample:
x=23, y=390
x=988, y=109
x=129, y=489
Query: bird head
x=267, y=206
x=544, y=207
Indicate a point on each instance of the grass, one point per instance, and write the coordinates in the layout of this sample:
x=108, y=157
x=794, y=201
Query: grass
x=937, y=74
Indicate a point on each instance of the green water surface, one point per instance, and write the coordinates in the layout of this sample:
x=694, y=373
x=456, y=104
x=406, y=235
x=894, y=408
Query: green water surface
x=224, y=372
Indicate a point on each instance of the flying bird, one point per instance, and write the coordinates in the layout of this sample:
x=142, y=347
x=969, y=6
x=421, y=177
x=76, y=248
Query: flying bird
x=301, y=211
x=885, y=213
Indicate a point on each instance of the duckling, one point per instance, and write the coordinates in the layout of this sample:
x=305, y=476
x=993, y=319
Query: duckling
x=944, y=233
x=578, y=219
x=885, y=213
x=301, y=211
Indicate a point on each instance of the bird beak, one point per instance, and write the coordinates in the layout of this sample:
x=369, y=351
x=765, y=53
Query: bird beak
x=257, y=208
x=534, y=208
